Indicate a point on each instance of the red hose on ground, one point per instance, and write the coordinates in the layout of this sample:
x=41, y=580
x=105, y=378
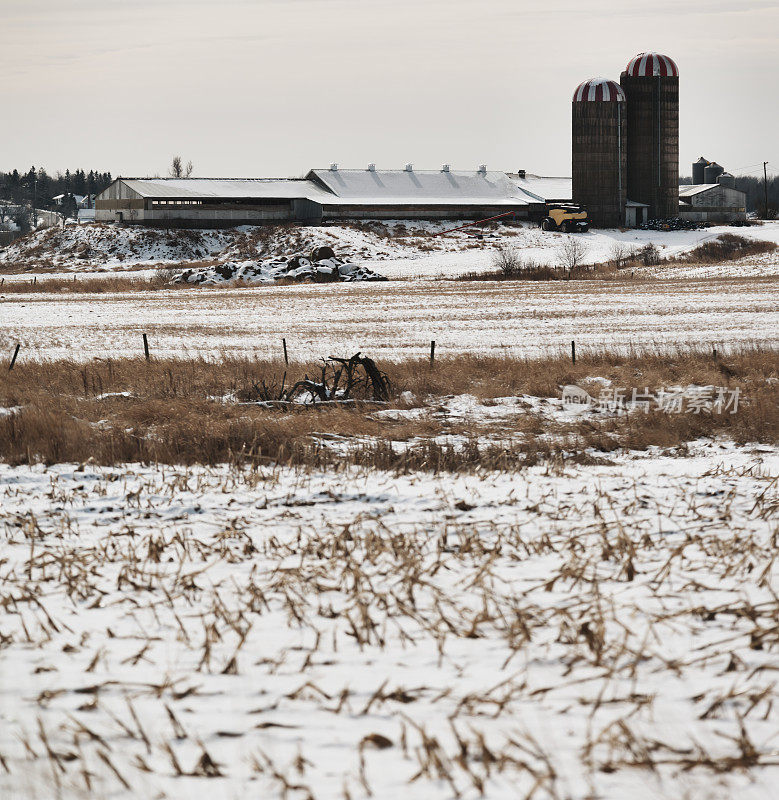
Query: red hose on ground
x=478, y=222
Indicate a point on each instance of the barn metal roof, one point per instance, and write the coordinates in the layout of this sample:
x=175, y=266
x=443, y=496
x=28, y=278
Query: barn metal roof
x=202, y=188
x=366, y=187
x=543, y=188
x=429, y=187
x=689, y=191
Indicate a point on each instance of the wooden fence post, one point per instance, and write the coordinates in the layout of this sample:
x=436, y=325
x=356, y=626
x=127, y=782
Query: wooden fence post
x=146, y=347
x=13, y=358
x=286, y=357
x=432, y=351
x=573, y=351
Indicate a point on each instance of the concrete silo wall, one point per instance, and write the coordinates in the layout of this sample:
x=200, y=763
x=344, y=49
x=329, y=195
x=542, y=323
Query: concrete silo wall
x=653, y=142
x=599, y=160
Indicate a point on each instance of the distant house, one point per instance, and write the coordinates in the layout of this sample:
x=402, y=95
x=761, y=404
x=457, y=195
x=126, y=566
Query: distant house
x=712, y=202
x=81, y=200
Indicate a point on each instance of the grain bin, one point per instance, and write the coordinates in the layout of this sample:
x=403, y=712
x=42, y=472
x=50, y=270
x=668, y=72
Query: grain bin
x=712, y=172
x=599, y=155
x=651, y=85
x=726, y=179
x=698, y=168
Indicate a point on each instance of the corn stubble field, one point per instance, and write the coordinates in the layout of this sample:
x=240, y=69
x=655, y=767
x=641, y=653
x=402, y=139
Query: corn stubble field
x=448, y=585
x=462, y=591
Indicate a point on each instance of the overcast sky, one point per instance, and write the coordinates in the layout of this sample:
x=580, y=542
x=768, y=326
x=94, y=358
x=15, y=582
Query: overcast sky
x=273, y=87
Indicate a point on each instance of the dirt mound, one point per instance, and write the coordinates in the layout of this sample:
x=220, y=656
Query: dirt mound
x=82, y=247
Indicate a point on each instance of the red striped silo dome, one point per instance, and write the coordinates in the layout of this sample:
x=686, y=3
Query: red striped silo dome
x=599, y=90
x=652, y=65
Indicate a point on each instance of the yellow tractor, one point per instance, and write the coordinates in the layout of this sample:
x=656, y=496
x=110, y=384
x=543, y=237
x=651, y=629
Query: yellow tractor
x=566, y=217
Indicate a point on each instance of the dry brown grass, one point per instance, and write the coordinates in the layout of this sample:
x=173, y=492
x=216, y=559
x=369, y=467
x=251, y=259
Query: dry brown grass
x=85, y=285
x=727, y=247
x=544, y=272
x=175, y=411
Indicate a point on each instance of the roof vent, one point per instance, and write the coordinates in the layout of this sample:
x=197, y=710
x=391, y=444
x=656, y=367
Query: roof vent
x=445, y=168
x=521, y=173
x=482, y=169
x=334, y=168
x=409, y=167
x=371, y=168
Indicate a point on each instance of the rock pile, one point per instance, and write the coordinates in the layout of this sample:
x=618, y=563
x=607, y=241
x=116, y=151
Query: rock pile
x=321, y=266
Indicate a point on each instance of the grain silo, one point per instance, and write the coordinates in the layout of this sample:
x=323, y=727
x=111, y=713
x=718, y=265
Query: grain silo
x=698, y=168
x=651, y=84
x=599, y=152
x=712, y=172
x=726, y=179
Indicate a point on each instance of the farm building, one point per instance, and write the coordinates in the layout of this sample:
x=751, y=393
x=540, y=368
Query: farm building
x=208, y=202
x=324, y=195
x=712, y=202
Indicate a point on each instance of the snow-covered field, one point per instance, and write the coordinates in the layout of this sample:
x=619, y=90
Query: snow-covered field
x=562, y=632
x=397, y=249
x=541, y=247
x=395, y=319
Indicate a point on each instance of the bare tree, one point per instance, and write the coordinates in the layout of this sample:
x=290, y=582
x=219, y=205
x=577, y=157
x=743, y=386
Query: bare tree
x=178, y=170
x=649, y=255
x=506, y=259
x=571, y=253
x=619, y=254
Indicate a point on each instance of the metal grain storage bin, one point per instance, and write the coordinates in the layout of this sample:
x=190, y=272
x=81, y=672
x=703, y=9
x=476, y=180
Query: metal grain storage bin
x=599, y=152
x=698, y=168
x=712, y=172
x=726, y=179
x=651, y=84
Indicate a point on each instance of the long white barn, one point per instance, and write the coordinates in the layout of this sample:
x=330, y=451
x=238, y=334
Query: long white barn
x=326, y=195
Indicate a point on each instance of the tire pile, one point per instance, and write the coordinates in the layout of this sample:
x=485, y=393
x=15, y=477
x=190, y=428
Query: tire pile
x=676, y=224
x=321, y=266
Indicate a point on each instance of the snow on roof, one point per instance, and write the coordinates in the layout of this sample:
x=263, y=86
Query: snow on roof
x=543, y=188
x=655, y=64
x=689, y=191
x=368, y=187
x=200, y=188
x=601, y=90
x=433, y=187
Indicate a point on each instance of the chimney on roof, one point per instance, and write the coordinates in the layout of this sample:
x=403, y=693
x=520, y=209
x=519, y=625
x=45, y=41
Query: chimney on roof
x=482, y=169
x=521, y=173
x=334, y=168
x=445, y=168
x=371, y=168
x=409, y=167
